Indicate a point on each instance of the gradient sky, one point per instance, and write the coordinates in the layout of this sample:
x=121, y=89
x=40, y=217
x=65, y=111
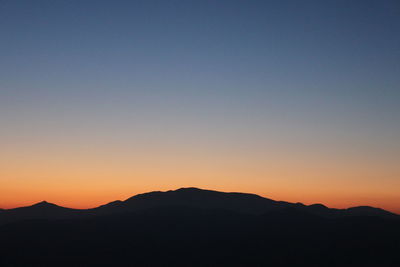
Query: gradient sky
x=292, y=100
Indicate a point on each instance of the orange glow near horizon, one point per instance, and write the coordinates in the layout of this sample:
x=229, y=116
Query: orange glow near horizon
x=87, y=188
x=91, y=174
x=90, y=199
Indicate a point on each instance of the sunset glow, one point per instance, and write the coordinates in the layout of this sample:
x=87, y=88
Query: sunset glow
x=291, y=102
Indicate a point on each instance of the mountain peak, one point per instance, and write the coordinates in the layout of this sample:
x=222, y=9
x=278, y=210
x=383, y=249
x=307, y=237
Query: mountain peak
x=370, y=211
x=44, y=203
x=318, y=205
x=189, y=189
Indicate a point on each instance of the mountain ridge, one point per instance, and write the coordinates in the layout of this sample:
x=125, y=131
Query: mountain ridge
x=186, y=197
x=195, y=227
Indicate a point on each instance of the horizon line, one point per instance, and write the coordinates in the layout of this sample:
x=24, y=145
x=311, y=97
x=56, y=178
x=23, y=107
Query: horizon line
x=201, y=189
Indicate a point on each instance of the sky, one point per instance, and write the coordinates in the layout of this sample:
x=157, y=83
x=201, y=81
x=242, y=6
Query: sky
x=291, y=100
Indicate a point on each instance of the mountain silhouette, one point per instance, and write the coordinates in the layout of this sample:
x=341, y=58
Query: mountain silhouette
x=195, y=227
x=185, y=197
x=41, y=210
x=195, y=197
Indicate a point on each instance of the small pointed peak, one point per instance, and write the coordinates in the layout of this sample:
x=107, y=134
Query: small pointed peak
x=43, y=203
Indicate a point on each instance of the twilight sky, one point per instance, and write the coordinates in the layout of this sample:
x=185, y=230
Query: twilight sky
x=292, y=100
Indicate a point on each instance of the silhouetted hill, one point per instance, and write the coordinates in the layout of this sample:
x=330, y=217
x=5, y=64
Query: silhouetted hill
x=185, y=197
x=240, y=202
x=194, y=197
x=194, y=227
x=366, y=210
x=41, y=210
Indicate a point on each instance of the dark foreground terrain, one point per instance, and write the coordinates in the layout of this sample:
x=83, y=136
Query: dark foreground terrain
x=193, y=227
